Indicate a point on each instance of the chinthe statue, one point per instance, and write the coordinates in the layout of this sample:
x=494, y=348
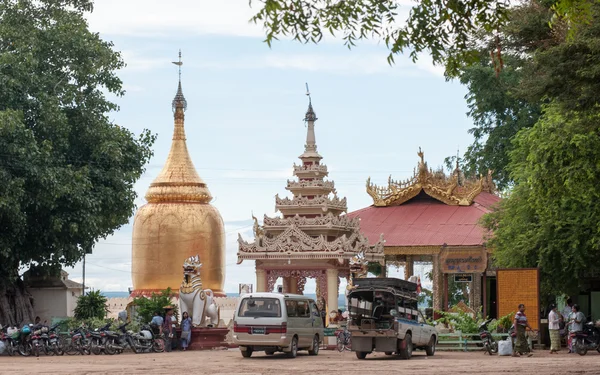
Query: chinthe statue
x=199, y=303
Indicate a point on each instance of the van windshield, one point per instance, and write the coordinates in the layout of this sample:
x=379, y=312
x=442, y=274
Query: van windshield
x=260, y=308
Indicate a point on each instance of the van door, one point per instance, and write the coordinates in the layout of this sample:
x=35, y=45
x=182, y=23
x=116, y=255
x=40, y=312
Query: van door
x=317, y=322
x=305, y=317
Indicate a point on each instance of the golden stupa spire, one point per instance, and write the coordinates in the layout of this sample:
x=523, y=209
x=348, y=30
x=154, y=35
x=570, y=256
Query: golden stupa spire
x=178, y=181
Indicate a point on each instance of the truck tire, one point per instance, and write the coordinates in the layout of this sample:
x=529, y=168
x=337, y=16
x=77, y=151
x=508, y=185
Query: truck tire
x=430, y=348
x=406, y=347
x=361, y=355
x=247, y=353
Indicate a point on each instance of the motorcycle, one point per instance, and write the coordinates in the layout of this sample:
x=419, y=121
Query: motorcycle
x=11, y=341
x=24, y=343
x=36, y=342
x=100, y=341
x=80, y=342
x=588, y=339
x=52, y=343
x=489, y=343
x=143, y=341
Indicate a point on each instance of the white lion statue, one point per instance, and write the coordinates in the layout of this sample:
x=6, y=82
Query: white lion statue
x=199, y=303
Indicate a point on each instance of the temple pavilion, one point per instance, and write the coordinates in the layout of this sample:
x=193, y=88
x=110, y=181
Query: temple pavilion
x=434, y=218
x=313, y=238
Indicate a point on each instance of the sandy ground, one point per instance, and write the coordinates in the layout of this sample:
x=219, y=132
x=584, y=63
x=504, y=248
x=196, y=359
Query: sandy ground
x=231, y=362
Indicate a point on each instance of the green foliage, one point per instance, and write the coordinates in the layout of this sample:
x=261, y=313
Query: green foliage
x=67, y=172
x=502, y=324
x=146, y=307
x=551, y=218
x=91, y=305
x=460, y=320
x=445, y=29
x=435, y=26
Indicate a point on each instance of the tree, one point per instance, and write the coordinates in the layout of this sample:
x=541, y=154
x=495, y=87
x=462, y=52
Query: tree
x=551, y=218
x=444, y=28
x=91, y=306
x=67, y=171
x=498, y=103
x=146, y=307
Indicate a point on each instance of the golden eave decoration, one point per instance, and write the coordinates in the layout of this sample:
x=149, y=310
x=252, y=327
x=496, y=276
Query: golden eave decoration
x=453, y=190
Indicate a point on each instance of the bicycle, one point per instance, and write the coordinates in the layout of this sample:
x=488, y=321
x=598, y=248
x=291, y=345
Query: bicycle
x=344, y=340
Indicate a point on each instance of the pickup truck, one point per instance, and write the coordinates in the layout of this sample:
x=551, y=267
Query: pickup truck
x=384, y=318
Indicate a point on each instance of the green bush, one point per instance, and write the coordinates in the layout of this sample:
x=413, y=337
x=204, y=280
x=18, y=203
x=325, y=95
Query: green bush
x=502, y=324
x=146, y=307
x=91, y=305
x=461, y=321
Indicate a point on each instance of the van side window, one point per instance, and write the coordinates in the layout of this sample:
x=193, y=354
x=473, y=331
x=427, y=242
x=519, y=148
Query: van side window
x=303, y=309
x=292, y=308
x=315, y=309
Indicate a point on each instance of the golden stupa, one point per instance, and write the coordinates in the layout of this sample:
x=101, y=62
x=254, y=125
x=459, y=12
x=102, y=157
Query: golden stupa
x=177, y=222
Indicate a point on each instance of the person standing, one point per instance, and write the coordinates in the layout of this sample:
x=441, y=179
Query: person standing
x=567, y=309
x=156, y=323
x=521, y=324
x=554, y=319
x=167, y=328
x=575, y=323
x=186, y=330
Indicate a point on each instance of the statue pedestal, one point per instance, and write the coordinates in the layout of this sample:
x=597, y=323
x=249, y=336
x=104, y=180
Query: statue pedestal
x=207, y=338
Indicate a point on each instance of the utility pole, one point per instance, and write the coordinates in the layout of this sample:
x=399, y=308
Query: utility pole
x=83, y=290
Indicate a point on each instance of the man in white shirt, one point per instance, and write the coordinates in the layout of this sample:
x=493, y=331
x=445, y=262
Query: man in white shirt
x=567, y=309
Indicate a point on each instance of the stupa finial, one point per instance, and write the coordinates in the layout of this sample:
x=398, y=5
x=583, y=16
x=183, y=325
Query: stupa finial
x=310, y=113
x=179, y=100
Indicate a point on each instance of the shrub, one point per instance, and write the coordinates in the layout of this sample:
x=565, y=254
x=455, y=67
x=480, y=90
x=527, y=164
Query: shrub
x=91, y=305
x=146, y=307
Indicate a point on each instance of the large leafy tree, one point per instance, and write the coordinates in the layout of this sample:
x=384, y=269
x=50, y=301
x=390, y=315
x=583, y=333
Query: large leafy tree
x=443, y=28
x=67, y=171
x=551, y=218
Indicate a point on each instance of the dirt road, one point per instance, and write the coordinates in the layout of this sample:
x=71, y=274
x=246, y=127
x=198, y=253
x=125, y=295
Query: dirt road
x=327, y=362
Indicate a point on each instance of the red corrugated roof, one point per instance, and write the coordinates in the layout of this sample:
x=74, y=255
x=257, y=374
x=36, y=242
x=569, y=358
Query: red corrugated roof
x=424, y=221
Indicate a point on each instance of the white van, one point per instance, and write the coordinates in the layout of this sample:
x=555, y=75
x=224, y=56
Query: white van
x=274, y=322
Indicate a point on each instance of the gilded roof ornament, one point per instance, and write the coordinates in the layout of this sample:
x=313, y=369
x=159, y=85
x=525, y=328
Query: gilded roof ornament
x=179, y=100
x=453, y=190
x=310, y=113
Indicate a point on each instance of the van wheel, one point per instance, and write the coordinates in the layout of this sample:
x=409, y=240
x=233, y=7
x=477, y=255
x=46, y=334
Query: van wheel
x=293, y=348
x=361, y=355
x=269, y=352
x=315, y=348
x=406, y=347
x=389, y=353
x=247, y=353
x=430, y=349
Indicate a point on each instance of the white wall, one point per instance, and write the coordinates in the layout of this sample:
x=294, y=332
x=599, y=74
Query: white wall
x=49, y=302
x=72, y=296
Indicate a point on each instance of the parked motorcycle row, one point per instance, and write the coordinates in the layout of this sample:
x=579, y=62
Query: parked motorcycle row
x=32, y=340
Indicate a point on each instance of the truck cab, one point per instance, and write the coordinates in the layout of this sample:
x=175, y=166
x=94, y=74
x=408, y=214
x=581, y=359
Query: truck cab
x=384, y=317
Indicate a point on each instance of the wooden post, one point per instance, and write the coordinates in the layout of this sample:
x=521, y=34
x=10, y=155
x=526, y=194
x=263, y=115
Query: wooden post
x=484, y=287
x=445, y=307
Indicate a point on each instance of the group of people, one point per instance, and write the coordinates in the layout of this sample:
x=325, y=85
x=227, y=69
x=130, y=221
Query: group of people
x=167, y=325
x=570, y=320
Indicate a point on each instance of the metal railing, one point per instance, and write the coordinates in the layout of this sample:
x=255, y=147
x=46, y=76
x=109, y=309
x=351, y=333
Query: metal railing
x=464, y=341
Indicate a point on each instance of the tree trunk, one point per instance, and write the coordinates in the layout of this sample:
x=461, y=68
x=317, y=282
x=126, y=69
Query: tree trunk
x=16, y=305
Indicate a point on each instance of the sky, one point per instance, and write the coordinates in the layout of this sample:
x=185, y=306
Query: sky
x=246, y=104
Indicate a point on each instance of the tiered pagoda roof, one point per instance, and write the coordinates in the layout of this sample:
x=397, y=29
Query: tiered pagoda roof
x=313, y=224
x=429, y=209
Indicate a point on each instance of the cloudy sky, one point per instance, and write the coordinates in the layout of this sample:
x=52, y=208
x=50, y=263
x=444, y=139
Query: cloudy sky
x=246, y=103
